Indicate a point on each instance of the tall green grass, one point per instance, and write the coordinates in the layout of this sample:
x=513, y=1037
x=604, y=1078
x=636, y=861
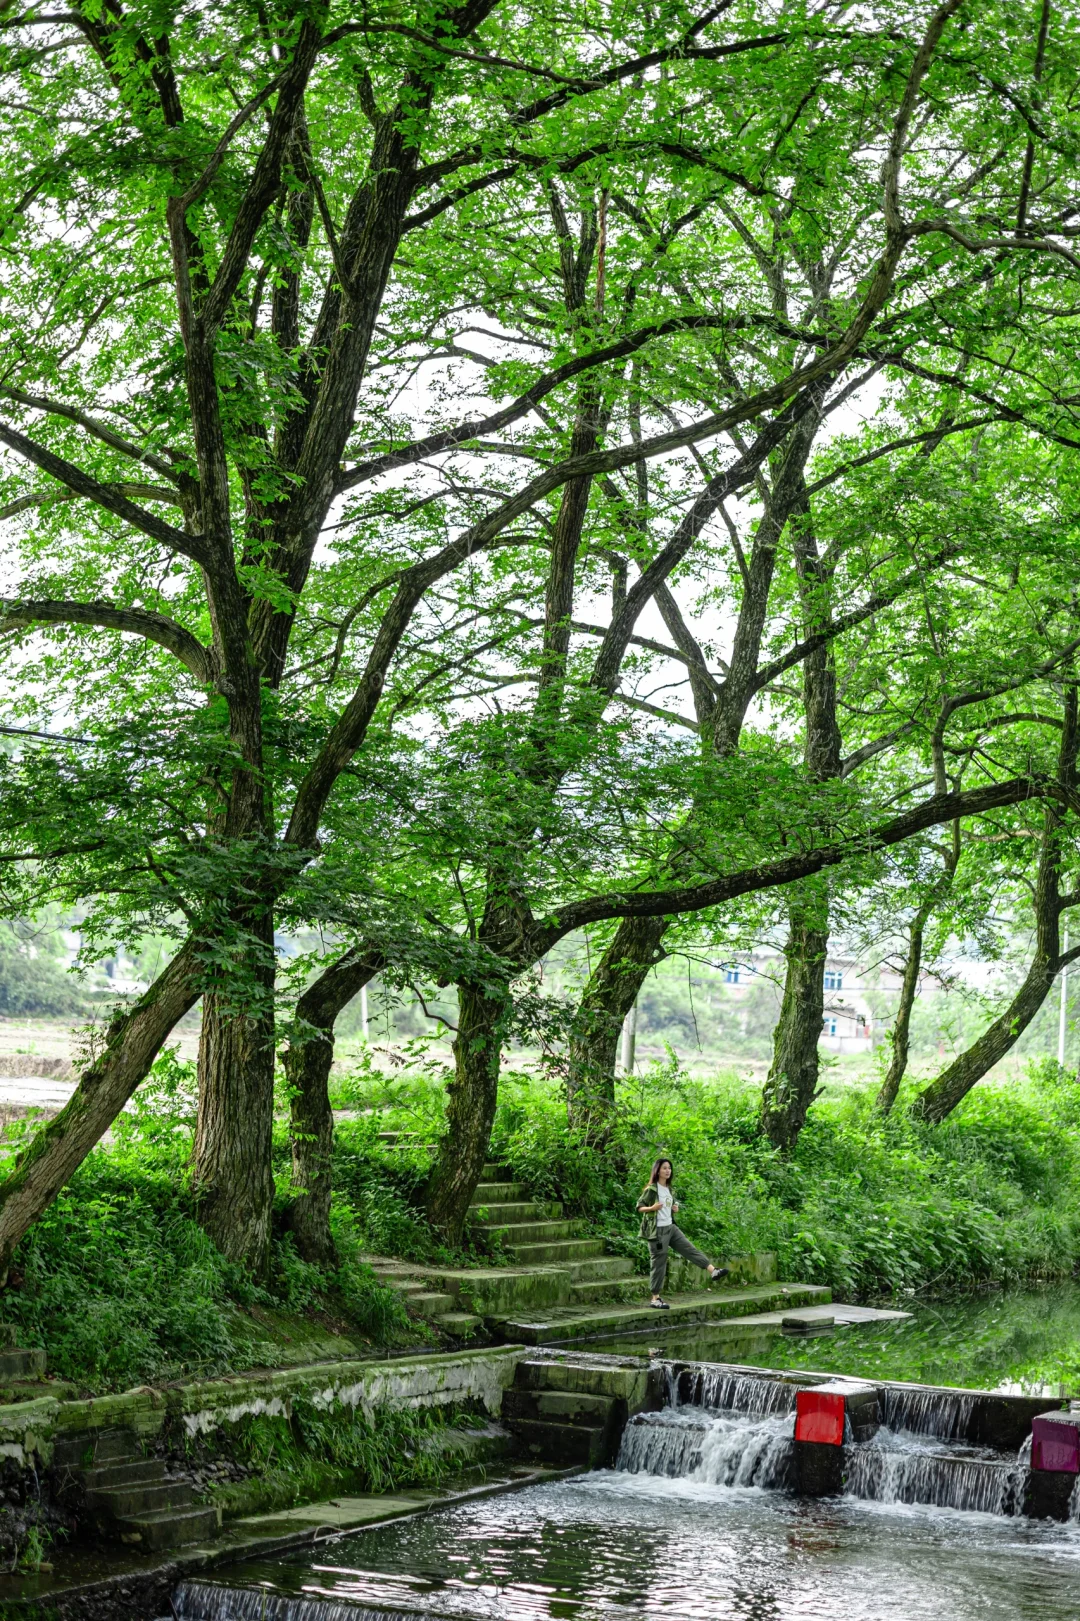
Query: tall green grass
x=866, y=1205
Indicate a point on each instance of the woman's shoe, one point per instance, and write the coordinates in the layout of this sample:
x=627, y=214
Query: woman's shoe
x=718, y=1272
x=659, y=1305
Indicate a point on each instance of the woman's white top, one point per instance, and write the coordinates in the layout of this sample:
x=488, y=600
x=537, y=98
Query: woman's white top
x=663, y=1215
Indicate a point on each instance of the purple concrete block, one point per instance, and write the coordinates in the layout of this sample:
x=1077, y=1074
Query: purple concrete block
x=1055, y=1443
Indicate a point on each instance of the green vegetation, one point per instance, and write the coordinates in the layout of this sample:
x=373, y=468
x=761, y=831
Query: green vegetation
x=455, y=510
x=316, y=1452
x=870, y=1205
x=122, y=1286
x=1028, y=1339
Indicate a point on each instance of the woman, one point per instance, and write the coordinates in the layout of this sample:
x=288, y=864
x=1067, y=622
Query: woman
x=657, y=1206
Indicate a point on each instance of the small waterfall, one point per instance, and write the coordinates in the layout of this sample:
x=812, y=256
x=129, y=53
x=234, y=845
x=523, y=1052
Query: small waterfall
x=741, y=1437
x=205, y=1601
x=896, y=1469
x=756, y=1395
x=945, y=1414
x=665, y=1443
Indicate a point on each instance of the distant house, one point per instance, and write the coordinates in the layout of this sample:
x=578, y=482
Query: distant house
x=848, y=1023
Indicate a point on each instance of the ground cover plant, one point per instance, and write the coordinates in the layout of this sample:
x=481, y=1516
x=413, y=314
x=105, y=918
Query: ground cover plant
x=869, y=1205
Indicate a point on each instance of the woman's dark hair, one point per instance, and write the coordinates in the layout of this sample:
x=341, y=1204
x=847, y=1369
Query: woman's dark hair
x=654, y=1174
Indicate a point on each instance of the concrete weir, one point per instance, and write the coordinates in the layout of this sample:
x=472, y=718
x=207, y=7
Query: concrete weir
x=537, y=1412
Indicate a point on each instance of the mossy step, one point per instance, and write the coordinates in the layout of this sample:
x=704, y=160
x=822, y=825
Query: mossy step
x=593, y=1289
x=512, y=1212
x=168, y=1528
x=516, y=1233
x=23, y=1364
x=110, y=1476
x=558, y=1406
x=562, y=1444
x=458, y=1322
x=715, y=1305
x=496, y=1173
x=604, y=1266
x=86, y=1449
x=601, y=1378
x=122, y=1502
x=556, y=1253
x=500, y=1193
x=430, y=1304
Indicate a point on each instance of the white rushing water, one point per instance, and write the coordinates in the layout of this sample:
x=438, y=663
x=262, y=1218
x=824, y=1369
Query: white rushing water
x=716, y=1449
x=732, y=1428
x=903, y=1467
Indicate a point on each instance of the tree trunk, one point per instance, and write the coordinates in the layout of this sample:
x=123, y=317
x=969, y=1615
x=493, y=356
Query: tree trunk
x=612, y=991
x=936, y=1101
x=234, y=1135
x=307, y=1061
x=792, y=1083
x=470, y=1112
x=940, y=1098
x=890, y=1086
x=132, y=1042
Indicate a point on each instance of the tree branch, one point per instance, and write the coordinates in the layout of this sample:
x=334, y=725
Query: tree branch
x=82, y=484
x=153, y=627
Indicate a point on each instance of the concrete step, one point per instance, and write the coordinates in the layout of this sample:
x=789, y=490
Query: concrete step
x=557, y=1407
x=123, y=1502
x=459, y=1323
x=512, y=1212
x=606, y=1267
x=712, y=1305
x=496, y=1173
x=564, y=1444
x=110, y=1476
x=430, y=1304
x=169, y=1529
x=597, y=1377
x=499, y=1193
x=22, y=1364
x=536, y=1232
x=88, y=1448
x=625, y=1289
x=556, y=1253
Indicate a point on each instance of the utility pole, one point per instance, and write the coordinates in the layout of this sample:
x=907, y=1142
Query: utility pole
x=629, y=1041
x=1061, y=1008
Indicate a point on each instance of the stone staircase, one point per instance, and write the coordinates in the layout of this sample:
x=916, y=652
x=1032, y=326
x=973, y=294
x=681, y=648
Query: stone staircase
x=574, y=1411
x=17, y=1363
x=535, y=1232
x=557, y=1285
x=127, y=1497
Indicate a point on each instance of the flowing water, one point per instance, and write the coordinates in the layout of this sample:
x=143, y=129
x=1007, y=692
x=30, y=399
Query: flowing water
x=695, y=1524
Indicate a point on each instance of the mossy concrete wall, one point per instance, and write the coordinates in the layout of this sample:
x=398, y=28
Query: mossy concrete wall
x=758, y=1268
x=465, y=1378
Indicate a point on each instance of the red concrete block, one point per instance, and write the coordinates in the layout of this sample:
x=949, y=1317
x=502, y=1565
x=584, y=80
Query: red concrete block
x=1055, y=1443
x=819, y=1416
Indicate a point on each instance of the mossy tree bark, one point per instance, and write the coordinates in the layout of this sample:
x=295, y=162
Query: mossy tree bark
x=470, y=1111
x=937, y=1101
x=307, y=1060
x=792, y=1081
x=132, y=1042
x=598, y=1022
x=233, y=1138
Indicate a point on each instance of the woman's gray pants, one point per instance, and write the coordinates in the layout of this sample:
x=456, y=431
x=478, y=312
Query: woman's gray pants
x=670, y=1238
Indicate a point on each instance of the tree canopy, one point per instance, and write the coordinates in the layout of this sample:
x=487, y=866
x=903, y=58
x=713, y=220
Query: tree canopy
x=473, y=476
